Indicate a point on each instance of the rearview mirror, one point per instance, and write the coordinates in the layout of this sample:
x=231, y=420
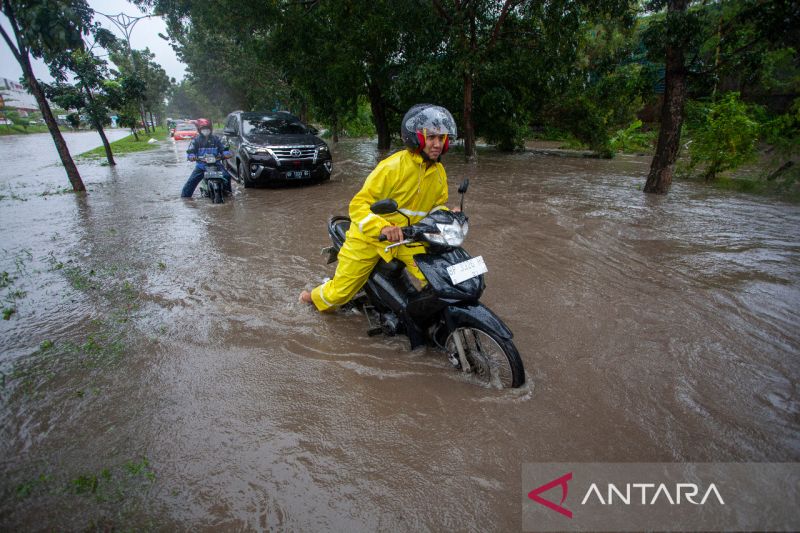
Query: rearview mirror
x=464, y=186
x=384, y=207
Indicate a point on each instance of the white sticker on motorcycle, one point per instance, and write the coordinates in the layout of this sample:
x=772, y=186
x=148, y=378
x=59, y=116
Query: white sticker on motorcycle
x=467, y=270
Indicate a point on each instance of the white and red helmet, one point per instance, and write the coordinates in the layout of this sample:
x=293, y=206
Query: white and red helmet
x=427, y=119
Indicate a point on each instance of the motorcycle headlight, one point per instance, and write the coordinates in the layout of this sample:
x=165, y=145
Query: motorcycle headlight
x=450, y=234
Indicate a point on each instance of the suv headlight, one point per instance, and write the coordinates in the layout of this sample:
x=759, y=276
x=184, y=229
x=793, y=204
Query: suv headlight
x=450, y=234
x=322, y=149
x=250, y=149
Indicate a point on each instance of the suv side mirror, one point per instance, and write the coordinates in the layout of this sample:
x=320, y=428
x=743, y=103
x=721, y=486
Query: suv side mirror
x=313, y=130
x=384, y=207
x=229, y=132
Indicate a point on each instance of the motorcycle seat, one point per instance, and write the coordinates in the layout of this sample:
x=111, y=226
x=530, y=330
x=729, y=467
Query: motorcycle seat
x=391, y=269
x=341, y=228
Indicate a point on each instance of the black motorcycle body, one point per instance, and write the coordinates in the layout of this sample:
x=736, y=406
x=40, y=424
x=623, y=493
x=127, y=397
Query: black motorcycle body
x=445, y=315
x=213, y=183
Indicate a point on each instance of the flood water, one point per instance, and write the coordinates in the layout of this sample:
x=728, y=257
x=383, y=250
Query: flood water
x=159, y=372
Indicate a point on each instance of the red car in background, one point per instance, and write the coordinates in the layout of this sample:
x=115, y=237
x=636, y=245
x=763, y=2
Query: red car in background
x=184, y=130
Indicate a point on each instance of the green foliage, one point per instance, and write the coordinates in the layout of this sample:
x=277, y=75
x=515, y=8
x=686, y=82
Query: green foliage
x=49, y=27
x=606, y=89
x=783, y=131
x=14, y=116
x=725, y=137
x=633, y=139
x=144, y=83
x=584, y=119
x=359, y=123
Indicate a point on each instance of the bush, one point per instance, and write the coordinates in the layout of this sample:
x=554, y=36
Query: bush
x=632, y=139
x=359, y=123
x=724, y=135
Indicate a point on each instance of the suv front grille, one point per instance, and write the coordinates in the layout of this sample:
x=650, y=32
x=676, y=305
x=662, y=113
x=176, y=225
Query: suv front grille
x=294, y=153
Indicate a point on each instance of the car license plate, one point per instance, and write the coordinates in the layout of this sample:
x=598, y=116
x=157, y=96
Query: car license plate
x=298, y=174
x=467, y=269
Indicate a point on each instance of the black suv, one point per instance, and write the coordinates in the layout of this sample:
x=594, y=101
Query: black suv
x=275, y=148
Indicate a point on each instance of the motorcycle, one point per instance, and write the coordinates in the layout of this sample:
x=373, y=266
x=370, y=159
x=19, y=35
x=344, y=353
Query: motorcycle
x=446, y=314
x=213, y=183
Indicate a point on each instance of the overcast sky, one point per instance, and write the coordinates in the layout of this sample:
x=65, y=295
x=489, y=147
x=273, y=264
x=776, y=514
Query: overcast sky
x=145, y=34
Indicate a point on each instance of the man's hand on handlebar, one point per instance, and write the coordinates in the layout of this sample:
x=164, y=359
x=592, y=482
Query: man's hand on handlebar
x=392, y=233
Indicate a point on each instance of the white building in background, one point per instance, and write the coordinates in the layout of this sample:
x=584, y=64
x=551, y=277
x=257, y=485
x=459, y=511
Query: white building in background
x=14, y=95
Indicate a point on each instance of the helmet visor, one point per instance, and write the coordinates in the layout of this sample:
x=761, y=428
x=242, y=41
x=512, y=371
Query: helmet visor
x=432, y=120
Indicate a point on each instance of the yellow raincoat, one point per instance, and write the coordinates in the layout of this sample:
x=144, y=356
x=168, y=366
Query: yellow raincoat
x=418, y=189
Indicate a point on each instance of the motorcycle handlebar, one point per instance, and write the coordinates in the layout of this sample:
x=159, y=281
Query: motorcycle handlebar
x=408, y=232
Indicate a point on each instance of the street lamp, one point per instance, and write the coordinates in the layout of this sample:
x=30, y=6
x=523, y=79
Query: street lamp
x=125, y=23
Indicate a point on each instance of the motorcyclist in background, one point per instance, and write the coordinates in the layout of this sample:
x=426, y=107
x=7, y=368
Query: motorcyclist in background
x=204, y=144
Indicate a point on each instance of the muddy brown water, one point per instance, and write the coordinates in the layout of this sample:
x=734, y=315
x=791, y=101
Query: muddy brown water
x=179, y=384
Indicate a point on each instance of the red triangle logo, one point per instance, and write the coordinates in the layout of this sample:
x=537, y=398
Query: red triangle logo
x=562, y=482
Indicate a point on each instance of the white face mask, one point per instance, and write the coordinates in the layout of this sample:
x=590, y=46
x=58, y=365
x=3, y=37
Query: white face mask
x=205, y=132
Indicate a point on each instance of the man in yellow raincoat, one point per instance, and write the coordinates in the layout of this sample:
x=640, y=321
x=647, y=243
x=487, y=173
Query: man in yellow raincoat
x=416, y=180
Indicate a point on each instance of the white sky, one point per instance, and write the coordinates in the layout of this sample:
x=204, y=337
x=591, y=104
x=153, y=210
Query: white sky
x=145, y=34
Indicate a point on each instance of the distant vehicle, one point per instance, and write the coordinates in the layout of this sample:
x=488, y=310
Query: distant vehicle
x=275, y=148
x=184, y=130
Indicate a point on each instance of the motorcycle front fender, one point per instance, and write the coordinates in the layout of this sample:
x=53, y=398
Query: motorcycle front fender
x=476, y=315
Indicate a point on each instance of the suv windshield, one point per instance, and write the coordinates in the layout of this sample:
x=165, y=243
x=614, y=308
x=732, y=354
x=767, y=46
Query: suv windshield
x=271, y=126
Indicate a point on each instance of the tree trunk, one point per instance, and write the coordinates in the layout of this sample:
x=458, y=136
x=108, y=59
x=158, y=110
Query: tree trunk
x=469, y=128
x=21, y=55
x=669, y=134
x=336, y=129
x=379, y=116
x=106, y=144
x=61, y=145
x=153, y=121
x=99, y=127
x=144, y=118
x=469, y=81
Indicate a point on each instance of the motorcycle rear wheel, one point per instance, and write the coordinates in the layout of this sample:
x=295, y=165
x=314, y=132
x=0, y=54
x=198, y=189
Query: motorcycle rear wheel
x=493, y=360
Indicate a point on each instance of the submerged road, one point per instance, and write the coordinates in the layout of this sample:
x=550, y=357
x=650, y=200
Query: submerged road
x=653, y=329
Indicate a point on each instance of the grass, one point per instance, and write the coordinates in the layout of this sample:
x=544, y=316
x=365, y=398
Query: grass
x=753, y=185
x=757, y=177
x=112, y=484
x=17, y=130
x=127, y=145
x=104, y=346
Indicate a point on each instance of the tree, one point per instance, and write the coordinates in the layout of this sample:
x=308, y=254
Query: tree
x=141, y=65
x=43, y=29
x=698, y=44
x=725, y=137
x=224, y=45
x=124, y=93
x=356, y=41
x=87, y=94
x=473, y=30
